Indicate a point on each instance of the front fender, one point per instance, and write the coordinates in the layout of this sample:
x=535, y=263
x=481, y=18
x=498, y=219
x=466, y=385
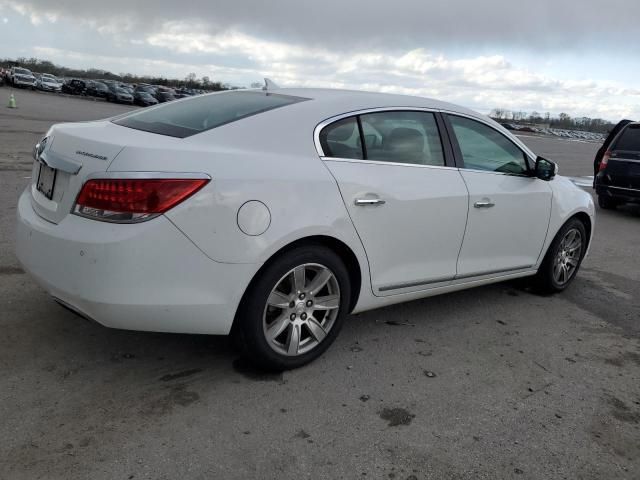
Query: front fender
x=567, y=201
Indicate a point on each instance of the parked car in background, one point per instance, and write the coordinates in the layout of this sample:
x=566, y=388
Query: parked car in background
x=118, y=95
x=318, y=203
x=127, y=88
x=182, y=93
x=96, y=89
x=605, y=146
x=164, y=94
x=74, y=86
x=48, y=83
x=144, y=98
x=618, y=177
x=22, y=77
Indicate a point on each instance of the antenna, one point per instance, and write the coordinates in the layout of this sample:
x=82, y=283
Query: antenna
x=269, y=84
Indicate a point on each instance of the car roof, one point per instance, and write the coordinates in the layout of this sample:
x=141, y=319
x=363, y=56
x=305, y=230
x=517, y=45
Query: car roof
x=300, y=118
x=342, y=101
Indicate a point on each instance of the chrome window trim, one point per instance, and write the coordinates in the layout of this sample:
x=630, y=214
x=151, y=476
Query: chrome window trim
x=474, y=170
x=386, y=164
x=316, y=138
x=354, y=113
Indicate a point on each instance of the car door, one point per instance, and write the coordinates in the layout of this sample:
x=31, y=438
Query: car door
x=405, y=197
x=509, y=209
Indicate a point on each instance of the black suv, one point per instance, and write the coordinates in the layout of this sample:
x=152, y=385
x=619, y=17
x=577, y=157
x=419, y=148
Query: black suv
x=74, y=86
x=96, y=89
x=617, y=180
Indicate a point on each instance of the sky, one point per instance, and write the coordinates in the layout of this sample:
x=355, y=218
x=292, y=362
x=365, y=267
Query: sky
x=578, y=57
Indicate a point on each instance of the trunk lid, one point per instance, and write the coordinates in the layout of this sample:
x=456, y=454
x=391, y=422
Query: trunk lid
x=69, y=154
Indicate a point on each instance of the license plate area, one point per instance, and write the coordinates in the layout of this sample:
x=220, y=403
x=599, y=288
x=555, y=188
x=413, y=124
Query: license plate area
x=46, y=180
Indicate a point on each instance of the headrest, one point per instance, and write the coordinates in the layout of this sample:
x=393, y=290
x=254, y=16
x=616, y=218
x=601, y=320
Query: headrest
x=405, y=140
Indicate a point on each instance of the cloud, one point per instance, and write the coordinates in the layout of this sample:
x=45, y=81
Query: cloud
x=487, y=54
x=346, y=25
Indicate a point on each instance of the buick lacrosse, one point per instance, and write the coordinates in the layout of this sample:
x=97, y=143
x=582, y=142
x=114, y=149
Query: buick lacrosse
x=273, y=214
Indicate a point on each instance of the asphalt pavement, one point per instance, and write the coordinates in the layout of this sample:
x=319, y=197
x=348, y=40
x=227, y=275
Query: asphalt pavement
x=490, y=383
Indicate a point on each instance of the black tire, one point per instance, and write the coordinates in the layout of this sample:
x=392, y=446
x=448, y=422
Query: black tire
x=545, y=281
x=607, y=203
x=248, y=328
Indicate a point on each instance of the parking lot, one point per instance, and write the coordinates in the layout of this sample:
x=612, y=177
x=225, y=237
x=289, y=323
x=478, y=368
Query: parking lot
x=495, y=382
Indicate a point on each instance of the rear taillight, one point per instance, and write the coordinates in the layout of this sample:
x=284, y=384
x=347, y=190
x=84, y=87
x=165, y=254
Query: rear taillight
x=133, y=200
x=604, y=161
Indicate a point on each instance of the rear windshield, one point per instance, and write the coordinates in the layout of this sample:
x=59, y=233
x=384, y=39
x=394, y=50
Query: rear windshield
x=629, y=139
x=195, y=115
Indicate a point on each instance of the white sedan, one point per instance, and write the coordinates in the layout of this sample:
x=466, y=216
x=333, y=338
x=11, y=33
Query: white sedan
x=274, y=214
x=48, y=83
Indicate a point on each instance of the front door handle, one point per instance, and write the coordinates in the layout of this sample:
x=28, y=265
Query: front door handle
x=484, y=204
x=361, y=202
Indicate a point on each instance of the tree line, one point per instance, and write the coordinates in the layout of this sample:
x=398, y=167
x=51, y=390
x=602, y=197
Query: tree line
x=45, y=66
x=563, y=121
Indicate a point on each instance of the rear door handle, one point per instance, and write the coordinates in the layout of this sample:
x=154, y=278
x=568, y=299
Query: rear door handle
x=484, y=204
x=362, y=202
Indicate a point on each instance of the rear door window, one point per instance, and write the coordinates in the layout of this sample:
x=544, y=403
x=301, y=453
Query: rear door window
x=402, y=137
x=195, y=115
x=629, y=139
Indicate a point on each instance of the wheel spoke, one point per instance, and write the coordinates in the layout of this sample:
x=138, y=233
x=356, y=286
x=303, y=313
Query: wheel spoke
x=316, y=329
x=293, y=340
x=299, y=279
x=320, y=280
x=278, y=299
x=329, y=302
x=556, y=271
x=278, y=326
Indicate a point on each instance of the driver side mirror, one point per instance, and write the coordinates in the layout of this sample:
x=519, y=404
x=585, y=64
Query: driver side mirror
x=545, y=169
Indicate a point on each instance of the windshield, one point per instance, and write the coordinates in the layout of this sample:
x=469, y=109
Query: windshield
x=22, y=71
x=194, y=115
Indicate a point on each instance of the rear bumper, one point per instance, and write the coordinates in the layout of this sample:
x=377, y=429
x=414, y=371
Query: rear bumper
x=148, y=276
x=624, y=194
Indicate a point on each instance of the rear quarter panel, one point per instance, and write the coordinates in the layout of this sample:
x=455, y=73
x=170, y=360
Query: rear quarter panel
x=250, y=163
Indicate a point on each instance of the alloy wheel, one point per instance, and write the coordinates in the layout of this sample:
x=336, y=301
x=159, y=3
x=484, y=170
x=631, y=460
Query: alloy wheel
x=301, y=309
x=568, y=256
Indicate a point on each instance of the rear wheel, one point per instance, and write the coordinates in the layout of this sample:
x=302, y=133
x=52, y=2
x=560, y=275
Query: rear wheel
x=293, y=312
x=607, y=203
x=563, y=259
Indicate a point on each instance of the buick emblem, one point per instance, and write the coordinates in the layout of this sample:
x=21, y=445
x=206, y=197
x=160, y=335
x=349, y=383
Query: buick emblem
x=40, y=148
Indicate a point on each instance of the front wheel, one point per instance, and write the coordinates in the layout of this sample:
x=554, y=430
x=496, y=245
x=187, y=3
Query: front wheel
x=563, y=259
x=294, y=310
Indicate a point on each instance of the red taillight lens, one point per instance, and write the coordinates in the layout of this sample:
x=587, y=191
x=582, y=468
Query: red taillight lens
x=604, y=161
x=133, y=200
